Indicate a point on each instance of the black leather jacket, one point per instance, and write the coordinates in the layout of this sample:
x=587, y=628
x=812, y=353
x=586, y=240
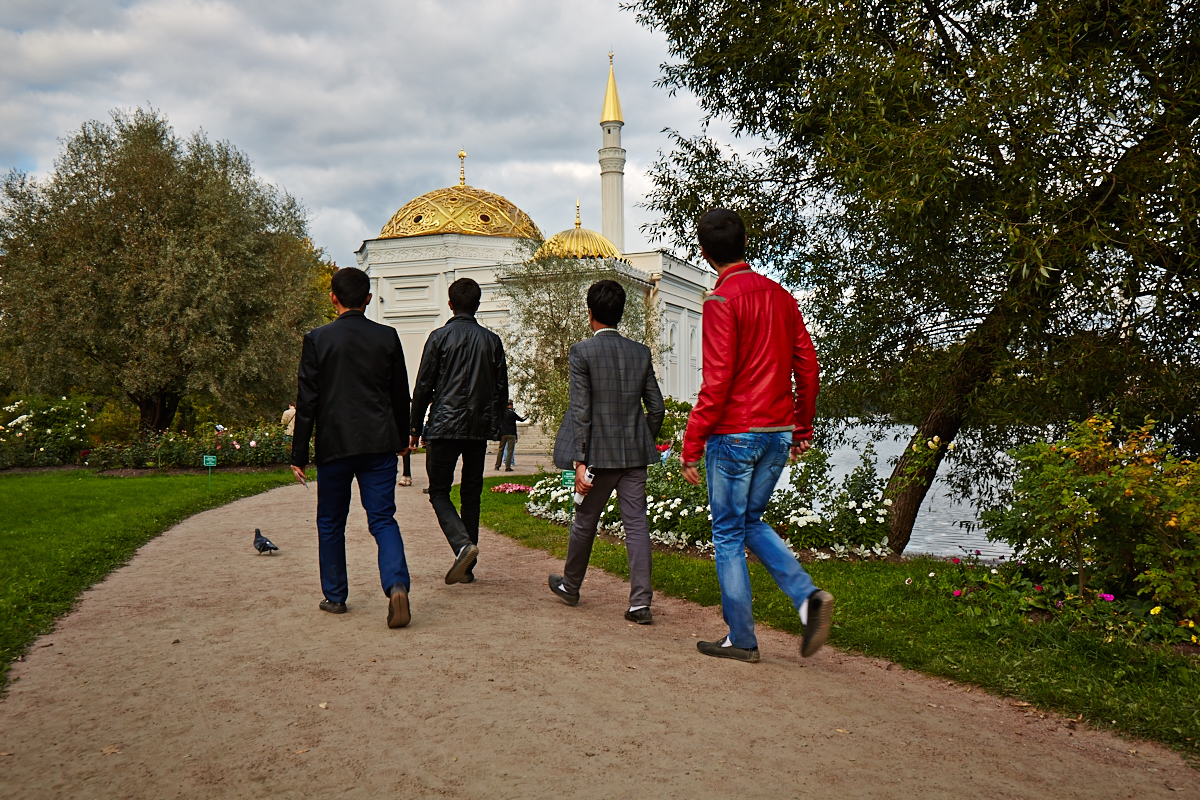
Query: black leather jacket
x=353, y=386
x=463, y=381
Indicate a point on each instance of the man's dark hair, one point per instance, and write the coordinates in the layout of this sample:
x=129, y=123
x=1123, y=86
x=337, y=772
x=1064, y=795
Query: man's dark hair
x=464, y=296
x=722, y=236
x=351, y=287
x=510, y=403
x=606, y=299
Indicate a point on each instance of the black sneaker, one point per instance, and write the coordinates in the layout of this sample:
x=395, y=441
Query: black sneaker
x=469, y=577
x=719, y=650
x=564, y=595
x=820, y=615
x=462, y=563
x=332, y=607
x=642, y=616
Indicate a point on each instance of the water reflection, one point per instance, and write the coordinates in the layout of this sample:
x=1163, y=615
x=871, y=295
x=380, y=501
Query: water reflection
x=937, y=529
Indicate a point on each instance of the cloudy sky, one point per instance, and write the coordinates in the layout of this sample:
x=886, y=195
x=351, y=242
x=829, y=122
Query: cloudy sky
x=354, y=106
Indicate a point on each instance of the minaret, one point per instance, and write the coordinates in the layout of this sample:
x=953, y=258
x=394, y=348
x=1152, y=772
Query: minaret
x=612, y=166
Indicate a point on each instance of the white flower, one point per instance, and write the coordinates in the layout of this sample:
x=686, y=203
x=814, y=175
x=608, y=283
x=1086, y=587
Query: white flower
x=887, y=502
x=879, y=519
x=862, y=520
x=995, y=572
x=950, y=446
x=932, y=574
x=683, y=513
x=666, y=514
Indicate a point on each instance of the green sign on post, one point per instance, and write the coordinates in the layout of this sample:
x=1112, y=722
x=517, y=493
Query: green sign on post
x=210, y=462
x=568, y=478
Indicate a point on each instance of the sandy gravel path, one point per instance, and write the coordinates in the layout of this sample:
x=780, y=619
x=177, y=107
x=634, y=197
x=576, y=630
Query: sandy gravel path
x=203, y=670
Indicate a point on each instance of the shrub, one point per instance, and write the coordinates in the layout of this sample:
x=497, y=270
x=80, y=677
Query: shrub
x=258, y=445
x=1114, y=514
x=41, y=432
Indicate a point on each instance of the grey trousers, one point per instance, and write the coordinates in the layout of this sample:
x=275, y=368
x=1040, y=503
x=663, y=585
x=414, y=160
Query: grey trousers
x=630, y=485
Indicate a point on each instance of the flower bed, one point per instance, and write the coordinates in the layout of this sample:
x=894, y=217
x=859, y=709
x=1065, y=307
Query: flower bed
x=259, y=445
x=510, y=488
x=43, y=433
x=847, y=521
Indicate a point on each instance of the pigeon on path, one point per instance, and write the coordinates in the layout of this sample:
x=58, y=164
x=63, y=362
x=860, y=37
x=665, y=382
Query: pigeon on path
x=262, y=544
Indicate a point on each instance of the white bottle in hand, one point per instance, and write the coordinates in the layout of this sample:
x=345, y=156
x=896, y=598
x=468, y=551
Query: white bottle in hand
x=588, y=478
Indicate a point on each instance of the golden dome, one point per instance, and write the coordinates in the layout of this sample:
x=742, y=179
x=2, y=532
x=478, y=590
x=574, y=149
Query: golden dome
x=578, y=242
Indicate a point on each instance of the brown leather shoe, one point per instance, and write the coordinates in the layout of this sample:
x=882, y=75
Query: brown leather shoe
x=398, y=611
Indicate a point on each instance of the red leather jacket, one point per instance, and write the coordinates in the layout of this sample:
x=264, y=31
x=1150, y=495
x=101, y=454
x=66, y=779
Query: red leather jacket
x=754, y=343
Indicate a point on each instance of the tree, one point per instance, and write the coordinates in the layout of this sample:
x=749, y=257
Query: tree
x=547, y=301
x=153, y=267
x=990, y=209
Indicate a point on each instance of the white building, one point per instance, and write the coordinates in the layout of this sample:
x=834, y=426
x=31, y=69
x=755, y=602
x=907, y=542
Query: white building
x=465, y=232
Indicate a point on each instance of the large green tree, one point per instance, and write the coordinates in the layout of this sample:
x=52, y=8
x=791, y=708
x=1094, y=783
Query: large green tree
x=989, y=209
x=154, y=267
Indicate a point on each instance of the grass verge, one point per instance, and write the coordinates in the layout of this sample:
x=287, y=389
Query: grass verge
x=1137, y=690
x=63, y=531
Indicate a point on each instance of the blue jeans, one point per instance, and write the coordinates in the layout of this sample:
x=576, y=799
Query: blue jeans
x=376, y=473
x=743, y=469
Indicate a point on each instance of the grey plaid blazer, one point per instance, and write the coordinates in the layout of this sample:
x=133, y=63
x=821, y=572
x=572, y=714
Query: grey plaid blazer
x=611, y=377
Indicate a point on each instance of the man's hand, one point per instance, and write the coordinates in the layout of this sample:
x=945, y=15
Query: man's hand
x=299, y=473
x=581, y=484
x=691, y=475
x=414, y=442
x=800, y=448
x=404, y=452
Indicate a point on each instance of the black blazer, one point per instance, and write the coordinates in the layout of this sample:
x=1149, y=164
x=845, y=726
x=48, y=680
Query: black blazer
x=463, y=381
x=353, y=386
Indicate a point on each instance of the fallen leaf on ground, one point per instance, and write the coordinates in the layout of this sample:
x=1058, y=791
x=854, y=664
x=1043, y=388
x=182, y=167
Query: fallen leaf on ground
x=305, y=750
x=1022, y=704
x=324, y=705
x=840, y=730
x=5, y=754
x=110, y=749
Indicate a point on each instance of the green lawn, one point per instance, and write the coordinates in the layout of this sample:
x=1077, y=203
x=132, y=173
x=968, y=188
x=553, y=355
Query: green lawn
x=1143, y=691
x=62, y=531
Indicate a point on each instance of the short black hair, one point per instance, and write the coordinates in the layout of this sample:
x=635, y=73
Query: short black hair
x=510, y=403
x=351, y=287
x=606, y=299
x=464, y=296
x=722, y=236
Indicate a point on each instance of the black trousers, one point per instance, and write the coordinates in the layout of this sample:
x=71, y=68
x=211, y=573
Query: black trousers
x=441, y=457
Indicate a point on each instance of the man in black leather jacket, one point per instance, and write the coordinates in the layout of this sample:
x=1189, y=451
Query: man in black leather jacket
x=353, y=386
x=463, y=381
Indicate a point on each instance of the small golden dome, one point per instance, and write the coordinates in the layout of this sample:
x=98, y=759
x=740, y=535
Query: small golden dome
x=460, y=209
x=578, y=242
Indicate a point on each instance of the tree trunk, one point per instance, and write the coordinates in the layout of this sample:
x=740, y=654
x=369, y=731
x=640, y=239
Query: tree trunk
x=915, y=471
x=157, y=410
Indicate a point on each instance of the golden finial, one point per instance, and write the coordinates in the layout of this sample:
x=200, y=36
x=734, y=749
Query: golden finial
x=610, y=55
x=462, y=167
x=577, y=212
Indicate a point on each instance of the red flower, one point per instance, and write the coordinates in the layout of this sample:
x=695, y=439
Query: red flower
x=955, y=561
x=1037, y=588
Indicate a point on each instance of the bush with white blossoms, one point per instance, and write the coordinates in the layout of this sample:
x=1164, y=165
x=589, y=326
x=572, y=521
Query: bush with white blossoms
x=845, y=521
x=258, y=445
x=43, y=432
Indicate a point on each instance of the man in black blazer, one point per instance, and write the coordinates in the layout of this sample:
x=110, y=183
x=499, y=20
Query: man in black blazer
x=463, y=381
x=605, y=428
x=353, y=386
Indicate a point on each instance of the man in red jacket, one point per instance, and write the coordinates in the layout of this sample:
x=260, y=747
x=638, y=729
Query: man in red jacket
x=747, y=420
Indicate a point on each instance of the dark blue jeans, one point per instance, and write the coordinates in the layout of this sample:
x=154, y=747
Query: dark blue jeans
x=743, y=469
x=376, y=473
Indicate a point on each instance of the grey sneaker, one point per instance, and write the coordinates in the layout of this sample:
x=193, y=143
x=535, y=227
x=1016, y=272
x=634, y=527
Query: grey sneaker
x=820, y=615
x=564, y=595
x=720, y=650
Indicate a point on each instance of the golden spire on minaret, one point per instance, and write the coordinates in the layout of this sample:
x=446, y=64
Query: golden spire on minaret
x=577, y=212
x=612, y=103
x=462, y=167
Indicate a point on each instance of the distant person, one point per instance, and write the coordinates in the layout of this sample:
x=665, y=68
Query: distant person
x=353, y=386
x=746, y=421
x=508, y=438
x=289, y=419
x=463, y=382
x=615, y=414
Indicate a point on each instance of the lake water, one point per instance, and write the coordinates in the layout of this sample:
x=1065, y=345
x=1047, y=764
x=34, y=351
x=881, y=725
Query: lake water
x=937, y=530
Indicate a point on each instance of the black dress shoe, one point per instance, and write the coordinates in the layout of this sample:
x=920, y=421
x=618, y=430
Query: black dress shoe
x=332, y=607
x=462, y=563
x=820, y=615
x=642, y=616
x=719, y=650
x=564, y=595
x=399, y=614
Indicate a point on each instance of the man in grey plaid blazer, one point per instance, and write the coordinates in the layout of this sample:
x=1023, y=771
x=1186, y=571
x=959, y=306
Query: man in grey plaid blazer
x=607, y=429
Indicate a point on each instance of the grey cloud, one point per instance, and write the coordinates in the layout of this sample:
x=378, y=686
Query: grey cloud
x=354, y=107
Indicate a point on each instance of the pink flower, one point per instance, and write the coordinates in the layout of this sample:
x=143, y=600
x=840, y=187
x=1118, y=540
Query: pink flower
x=955, y=561
x=253, y=444
x=958, y=592
x=237, y=446
x=1108, y=598
x=978, y=553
